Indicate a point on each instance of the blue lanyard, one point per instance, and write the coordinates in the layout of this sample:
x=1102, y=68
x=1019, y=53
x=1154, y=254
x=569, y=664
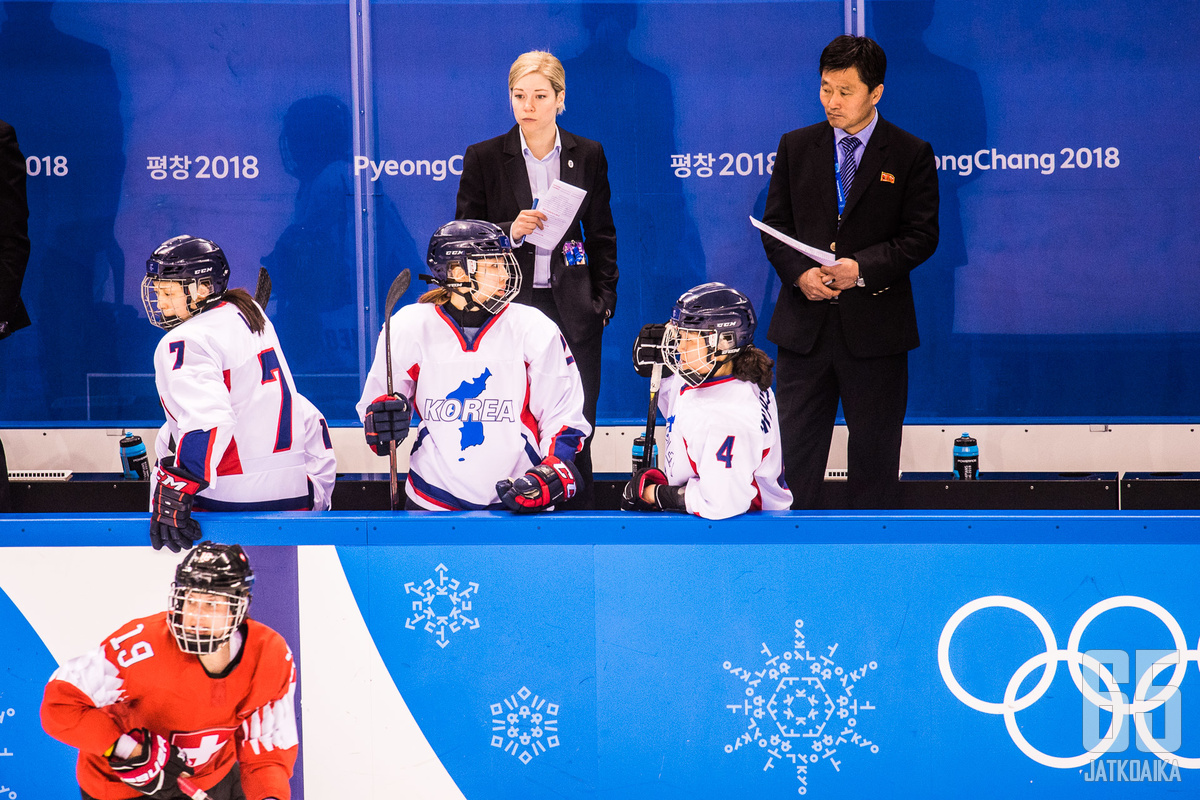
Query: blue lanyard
x=837, y=179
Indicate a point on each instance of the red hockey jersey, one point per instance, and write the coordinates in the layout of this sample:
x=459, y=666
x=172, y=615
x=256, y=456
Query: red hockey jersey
x=139, y=677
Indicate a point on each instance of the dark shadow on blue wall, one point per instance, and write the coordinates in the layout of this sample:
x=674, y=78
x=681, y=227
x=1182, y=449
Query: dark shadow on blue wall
x=54, y=86
x=314, y=266
x=628, y=106
x=941, y=102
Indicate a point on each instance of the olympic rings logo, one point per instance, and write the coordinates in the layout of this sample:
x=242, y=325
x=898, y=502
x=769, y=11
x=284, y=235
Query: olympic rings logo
x=1115, y=702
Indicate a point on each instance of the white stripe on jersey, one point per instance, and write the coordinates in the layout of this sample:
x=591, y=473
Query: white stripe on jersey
x=273, y=725
x=94, y=675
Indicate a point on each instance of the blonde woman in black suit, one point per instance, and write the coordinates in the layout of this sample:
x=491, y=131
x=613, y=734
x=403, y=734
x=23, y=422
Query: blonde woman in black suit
x=575, y=282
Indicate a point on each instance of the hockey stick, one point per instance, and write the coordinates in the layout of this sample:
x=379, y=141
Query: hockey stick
x=651, y=417
x=262, y=292
x=186, y=786
x=398, y=287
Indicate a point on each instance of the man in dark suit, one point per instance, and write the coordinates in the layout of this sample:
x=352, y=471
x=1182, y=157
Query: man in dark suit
x=868, y=191
x=579, y=295
x=14, y=255
x=14, y=236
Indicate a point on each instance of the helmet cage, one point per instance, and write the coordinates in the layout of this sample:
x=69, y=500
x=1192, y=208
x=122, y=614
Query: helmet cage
x=494, y=298
x=154, y=309
x=203, y=620
x=719, y=348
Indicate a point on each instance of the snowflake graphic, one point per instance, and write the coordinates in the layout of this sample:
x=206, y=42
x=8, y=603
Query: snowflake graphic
x=442, y=605
x=527, y=728
x=792, y=716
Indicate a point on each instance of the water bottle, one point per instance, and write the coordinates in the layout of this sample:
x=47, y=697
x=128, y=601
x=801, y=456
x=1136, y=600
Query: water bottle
x=133, y=458
x=639, y=448
x=966, y=457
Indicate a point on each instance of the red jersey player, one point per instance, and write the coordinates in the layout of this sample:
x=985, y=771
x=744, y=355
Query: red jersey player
x=198, y=690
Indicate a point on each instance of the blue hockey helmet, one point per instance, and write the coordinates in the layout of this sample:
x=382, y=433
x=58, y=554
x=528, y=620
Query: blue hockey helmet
x=491, y=275
x=191, y=262
x=721, y=319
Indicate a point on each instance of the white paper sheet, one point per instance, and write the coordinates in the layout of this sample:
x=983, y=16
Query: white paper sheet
x=559, y=204
x=822, y=257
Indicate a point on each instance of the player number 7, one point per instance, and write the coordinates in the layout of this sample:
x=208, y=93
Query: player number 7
x=272, y=370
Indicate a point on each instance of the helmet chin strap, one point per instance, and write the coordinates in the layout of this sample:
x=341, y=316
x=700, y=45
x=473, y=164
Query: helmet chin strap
x=465, y=290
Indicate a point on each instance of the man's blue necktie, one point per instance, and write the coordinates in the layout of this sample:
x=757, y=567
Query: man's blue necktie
x=847, y=169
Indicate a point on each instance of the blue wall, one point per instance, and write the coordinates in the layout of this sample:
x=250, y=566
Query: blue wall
x=673, y=657
x=1065, y=285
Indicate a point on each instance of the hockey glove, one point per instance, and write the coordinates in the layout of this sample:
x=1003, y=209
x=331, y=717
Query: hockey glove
x=171, y=522
x=631, y=498
x=387, y=420
x=550, y=482
x=155, y=771
x=648, y=350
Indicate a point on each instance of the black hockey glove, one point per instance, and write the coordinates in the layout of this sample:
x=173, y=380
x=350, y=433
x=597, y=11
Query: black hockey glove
x=648, y=351
x=631, y=498
x=388, y=418
x=666, y=497
x=551, y=482
x=155, y=771
x=171, y=522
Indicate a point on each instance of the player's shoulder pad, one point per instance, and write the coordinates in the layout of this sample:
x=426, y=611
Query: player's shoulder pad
x=266, y=641
x=737, y=404
x=536, y=327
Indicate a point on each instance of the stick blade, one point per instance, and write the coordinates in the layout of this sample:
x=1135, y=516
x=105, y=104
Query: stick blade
x=262, y=292
x=395, y=291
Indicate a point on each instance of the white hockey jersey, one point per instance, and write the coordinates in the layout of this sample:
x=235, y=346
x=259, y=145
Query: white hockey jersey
x=489, y=409
x=723, y=444
x=236, y=418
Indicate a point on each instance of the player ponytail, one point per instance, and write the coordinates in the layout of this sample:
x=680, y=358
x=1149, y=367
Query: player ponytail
x=250, y=310
x=755, y=366
x=438, y=295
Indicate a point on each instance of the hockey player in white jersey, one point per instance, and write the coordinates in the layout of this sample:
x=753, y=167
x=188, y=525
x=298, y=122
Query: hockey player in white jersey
x=493, y=382
x=723, y=455
x=237, y=431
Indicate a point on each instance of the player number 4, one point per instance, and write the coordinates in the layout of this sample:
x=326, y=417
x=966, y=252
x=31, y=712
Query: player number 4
x=725, y=452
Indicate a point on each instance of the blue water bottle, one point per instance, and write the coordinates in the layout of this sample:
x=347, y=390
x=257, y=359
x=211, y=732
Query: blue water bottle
x=133, y=458
x=966, y=458
x=639, y=449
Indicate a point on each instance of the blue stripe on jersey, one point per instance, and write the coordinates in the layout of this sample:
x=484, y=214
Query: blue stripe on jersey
x=442, y=496
x=468, y=344
x=566, y=350
x=305, y=503
x=193, y=453
x=531, y=451
x=420, y=438
x=566, y=443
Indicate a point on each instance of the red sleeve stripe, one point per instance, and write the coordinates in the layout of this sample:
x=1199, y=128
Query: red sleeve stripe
x=527, y=416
